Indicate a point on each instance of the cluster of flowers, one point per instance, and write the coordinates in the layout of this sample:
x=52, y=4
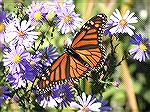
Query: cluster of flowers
x=123, y=24
x=22, y=67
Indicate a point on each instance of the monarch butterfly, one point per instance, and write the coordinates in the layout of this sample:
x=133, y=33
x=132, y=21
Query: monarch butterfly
x=85, y=54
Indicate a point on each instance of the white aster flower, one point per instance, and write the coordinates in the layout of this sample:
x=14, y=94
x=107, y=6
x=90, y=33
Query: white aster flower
x=21, y=33
x=122, y=24
x=86, y=104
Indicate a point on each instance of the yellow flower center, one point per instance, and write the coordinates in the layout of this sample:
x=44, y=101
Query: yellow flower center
x=122, y=22
x=2, y=27
x=67, y=19
x=38, y=16
x=143, y=47
x=21, y=34
x=31, y=62
x=17, y=59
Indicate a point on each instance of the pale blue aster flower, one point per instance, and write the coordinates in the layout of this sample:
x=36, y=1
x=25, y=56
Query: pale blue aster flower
x=37, y=12
x=4, y=94
x=15, y=59
x=141, y=48
x=68, y=20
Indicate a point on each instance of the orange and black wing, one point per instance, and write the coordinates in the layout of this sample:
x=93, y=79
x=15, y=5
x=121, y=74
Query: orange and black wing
x=65, y=68
x=88, y=42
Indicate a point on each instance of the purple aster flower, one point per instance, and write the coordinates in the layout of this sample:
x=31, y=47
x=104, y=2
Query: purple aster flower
x=46, y=99
x=2, y=16
x=142, y=47
x=9, y=19
x=4, y=94
x=15, y=59
x=2, y=46
x=87, y=104
x=32, y=68
x=104, y=105
x=123, y=24
x=48, y=55
x=21, y=33
x=68, y=20
x=37, y=12
x=64, y=95
x=16, y=80
x=108, y=26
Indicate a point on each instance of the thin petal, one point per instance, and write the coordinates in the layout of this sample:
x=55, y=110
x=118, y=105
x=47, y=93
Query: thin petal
x=23, y=25
x=30, y=28
x=80, y=100
x=75, y=105
x=95, y=107
x=114, y=18
x=131, y=27
x=134, y=50
x=129, y=31
x=88, y=100
x=84, y=98
x=117, y=14
x=114, y=29
x=126, y=14
x=133, y=20
x=130, y=16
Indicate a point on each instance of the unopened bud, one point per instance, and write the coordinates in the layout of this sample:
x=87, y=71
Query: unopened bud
x=116, y=84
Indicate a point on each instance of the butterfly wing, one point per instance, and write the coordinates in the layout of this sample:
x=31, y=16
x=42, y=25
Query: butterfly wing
x=88, y=42
x=65, y=68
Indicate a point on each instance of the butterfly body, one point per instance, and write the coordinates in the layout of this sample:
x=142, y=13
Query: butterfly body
x=75, y=55
x=86, y=53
